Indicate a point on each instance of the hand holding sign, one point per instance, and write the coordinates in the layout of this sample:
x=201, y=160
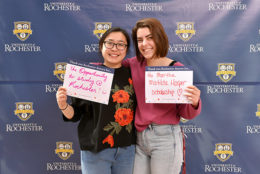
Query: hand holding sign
x=193, y=95
x=89, y=82
x=168, y=84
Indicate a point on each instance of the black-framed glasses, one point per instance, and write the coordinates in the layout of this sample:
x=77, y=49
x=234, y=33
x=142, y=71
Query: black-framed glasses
x=119, y=46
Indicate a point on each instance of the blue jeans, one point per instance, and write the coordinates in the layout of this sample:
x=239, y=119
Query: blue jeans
x=159, y=150
x=108, y=161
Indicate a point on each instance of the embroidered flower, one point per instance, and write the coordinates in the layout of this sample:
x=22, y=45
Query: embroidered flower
x=109, y=139
x=124, y=116
x=120, y=96
x=130, y=81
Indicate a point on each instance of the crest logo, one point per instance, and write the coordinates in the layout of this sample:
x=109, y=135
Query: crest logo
x=223, y=151
x=101, y=28
x=59, y=71
x=226, y=71
x=64, y=149
x=185, y=30
x=24, y=110
x=22, y=29
x=258, y=111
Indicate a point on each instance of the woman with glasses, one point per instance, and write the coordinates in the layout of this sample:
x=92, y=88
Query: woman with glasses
x=106, y=132
x=159, y=144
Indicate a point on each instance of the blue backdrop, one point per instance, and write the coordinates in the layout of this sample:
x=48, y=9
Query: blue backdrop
x=220, y=39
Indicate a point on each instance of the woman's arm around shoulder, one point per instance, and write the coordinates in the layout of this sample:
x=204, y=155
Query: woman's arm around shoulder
x=128, y=61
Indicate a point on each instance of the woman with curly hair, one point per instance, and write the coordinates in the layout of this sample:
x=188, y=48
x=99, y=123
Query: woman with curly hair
x=106, y=132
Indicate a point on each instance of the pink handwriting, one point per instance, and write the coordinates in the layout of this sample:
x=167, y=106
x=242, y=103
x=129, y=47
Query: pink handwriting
x=81, y=86
x=71, y=76
x=86, y=80
x=99, y=83
x=73, y=68
x=85, y=72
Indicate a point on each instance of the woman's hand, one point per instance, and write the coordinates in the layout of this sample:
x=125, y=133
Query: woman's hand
x=61, y=97
x=193, y=95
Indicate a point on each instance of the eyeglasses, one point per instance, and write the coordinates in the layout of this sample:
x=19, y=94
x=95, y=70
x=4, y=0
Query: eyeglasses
x=119, y=46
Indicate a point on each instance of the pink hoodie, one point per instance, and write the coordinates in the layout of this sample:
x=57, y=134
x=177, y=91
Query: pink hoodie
x=147, y=113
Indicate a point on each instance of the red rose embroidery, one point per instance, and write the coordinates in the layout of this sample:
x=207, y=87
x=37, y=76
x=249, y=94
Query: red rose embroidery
x=120, y=96
x=124, y=116
x=109, y=139
x=130, y=81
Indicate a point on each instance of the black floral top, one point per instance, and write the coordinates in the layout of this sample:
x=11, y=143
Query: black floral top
x=106, y=126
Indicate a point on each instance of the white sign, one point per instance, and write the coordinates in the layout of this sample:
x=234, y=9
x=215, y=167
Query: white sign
x=166, y=84
x=89, y=82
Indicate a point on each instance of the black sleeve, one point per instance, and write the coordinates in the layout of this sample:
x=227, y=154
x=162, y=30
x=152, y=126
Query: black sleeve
x=80, y=107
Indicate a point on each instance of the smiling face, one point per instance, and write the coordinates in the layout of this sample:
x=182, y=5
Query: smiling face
x=113, y=57
x=146, y=44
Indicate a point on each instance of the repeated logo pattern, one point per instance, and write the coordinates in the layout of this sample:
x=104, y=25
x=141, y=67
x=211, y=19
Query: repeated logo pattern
x=226, y=71
x=185, y=30
x=24, y=110
x=64, y=149
x=101, y=28
x=223, y=151
x=60, y=69
x=22, y=29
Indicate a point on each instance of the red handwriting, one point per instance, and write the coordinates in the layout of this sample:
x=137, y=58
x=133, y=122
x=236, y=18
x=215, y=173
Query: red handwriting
x=161, y=82
x=165, y=75
x=158, y=82
x=163, y=92
x=179, y=92
x=178, y=83
x=150, y=75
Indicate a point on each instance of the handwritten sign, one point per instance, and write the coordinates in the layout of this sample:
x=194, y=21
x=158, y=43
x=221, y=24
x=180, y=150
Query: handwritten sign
x=166, y=84
x=89, y=82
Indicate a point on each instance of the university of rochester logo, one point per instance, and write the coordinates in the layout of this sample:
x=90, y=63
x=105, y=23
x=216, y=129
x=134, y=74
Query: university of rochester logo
x=185, y=30
x=223, y=151
x=226, y=71
x=22, y=29
x=64, y=149
x=229, y=5
x=145, y=7
x=101, y=28
x=60, y=69
x=24, y=110
x=258, y=111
